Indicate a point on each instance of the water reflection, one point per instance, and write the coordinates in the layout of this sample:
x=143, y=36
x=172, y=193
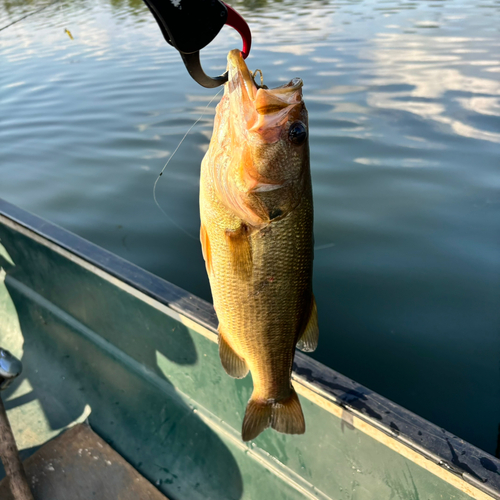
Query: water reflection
x=423, y=65
x=404, y=106
x=134, y=7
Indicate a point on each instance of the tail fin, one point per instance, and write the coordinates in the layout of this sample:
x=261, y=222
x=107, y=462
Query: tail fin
x=284, y=416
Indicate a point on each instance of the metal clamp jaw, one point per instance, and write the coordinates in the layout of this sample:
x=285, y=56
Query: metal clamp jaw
x=190, y=25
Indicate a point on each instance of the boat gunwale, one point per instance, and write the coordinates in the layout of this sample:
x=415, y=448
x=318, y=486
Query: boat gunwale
x=435, y=449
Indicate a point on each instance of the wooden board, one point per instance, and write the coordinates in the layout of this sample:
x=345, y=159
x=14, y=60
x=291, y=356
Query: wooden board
x=79, y=465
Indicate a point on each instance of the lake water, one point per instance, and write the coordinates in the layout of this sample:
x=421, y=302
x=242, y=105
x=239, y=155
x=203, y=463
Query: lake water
x=404, y=107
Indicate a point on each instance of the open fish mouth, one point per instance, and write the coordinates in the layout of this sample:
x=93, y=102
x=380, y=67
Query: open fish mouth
x=263, y=110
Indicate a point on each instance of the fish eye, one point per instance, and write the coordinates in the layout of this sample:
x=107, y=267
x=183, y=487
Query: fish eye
x=297, y=133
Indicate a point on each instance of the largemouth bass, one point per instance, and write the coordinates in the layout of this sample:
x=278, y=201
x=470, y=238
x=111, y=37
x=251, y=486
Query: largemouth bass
x=257, y=241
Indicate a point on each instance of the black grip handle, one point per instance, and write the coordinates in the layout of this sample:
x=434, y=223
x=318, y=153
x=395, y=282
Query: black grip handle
x=189, y=25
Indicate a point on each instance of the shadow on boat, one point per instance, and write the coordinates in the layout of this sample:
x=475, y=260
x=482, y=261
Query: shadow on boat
x=88, y=351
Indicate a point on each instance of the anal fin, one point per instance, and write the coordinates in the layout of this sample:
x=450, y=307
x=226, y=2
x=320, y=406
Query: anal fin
x=308, y=341
x=240, y=250
x=231, y=362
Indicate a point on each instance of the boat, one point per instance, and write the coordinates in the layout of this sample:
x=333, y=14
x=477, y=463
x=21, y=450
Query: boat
x=104, y=342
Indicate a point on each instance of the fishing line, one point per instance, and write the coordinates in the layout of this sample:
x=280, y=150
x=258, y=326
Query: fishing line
x=168, y=161
x=28, y=15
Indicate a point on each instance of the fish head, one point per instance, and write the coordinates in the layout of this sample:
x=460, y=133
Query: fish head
x=265, y=132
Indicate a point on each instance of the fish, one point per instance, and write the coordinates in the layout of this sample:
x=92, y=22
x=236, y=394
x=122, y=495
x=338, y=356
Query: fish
x=256, y=211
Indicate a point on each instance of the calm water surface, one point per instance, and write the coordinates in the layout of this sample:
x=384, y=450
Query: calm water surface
x=404, y=105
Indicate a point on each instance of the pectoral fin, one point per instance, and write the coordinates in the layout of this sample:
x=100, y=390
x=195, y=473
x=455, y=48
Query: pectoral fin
x=308, y=341
x=232, y=363
x=240, y=250
x=205, y=248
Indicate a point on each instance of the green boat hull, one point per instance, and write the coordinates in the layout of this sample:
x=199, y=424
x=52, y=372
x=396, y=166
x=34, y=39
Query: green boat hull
x=103, y=340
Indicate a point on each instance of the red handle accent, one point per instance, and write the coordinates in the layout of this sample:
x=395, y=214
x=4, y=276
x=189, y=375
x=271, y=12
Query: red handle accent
x=239, y=24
